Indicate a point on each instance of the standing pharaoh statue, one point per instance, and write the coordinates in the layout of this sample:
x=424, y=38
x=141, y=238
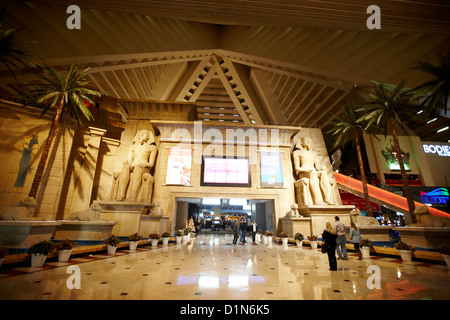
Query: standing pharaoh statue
x=313, y=186
x=135, y=182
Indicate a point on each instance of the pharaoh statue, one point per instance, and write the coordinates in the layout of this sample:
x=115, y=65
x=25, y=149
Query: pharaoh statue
x=313, y=186
x=135, y=182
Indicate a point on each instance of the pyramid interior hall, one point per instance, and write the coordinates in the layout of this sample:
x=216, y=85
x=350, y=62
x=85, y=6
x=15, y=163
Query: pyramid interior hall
x=224, y=150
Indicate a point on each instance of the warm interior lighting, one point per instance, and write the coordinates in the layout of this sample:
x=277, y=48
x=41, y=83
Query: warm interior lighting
x=383, y=195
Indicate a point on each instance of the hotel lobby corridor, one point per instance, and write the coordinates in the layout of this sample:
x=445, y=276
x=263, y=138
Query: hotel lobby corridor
x=211, y=268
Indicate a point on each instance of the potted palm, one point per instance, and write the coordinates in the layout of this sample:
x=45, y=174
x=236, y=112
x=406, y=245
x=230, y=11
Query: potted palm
x=405, y=251
x=445, y=251
x=133, y=241
x=269, y=236
x=284, y=238
x=65, y=248
x=39, y=252
x=111, y=244
x=313, y=241
x=365, y=245
x=178, y=236
x=299, y=239
x=165, y=237
x=154, y=237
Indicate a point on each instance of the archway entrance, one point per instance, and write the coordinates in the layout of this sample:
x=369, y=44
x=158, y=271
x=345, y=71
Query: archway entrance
x=217, y=215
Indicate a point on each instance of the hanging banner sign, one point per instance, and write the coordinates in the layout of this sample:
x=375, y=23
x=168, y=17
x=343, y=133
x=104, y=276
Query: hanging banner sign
x=179, y=166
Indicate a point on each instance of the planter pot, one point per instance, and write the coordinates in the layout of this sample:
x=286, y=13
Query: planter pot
x=258, y=237
x=313, y=244
x=185, y=239
x=299, y=243
x=38, y=260
x=269, y=239
x=264, y=239
x=111, y=249
x=63, y=255
x=178, y=239
x=406, y=255
x=365, y=251
x=165, y=241
x=447, y=259
x=133, y=245
x=154, y=242
x=285, y=241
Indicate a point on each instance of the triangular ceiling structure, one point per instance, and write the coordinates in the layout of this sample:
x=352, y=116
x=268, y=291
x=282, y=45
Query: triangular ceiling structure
x=282, y=63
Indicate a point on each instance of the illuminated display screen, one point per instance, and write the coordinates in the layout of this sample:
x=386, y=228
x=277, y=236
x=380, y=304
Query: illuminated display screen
x=225, y=172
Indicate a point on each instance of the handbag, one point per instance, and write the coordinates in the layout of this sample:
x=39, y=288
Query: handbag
x=324, y=248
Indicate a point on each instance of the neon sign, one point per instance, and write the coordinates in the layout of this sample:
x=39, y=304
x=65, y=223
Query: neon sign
x=441, y=150
x=437, y=196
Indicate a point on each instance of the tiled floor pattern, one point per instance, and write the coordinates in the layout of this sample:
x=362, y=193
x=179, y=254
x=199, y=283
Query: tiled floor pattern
x=211, y=268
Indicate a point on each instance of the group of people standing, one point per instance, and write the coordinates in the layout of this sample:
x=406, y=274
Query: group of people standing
x=334, y=241
x=240, y=230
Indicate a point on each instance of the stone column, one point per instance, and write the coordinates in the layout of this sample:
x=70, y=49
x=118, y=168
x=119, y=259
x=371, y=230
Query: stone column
x=83, y=189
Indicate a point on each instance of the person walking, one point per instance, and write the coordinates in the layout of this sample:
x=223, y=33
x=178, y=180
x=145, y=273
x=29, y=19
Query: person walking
x=355, y=238
x=329, y=236
x=236, y=231
x=339, y=229
x=243, y=228
x=254, y=230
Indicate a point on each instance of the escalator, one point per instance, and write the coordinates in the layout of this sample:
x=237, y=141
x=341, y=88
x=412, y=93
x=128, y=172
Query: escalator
x=381, y=196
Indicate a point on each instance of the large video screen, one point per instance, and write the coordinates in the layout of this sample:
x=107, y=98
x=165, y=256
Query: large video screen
x=231, y=172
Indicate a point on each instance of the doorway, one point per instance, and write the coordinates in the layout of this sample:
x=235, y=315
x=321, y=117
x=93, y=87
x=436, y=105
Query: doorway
x=217, y=215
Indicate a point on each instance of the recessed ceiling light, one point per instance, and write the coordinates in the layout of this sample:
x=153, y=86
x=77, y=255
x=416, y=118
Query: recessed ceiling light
x=429, y=121
x=442, y=129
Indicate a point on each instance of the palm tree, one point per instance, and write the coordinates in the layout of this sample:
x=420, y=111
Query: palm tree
x=348, y=127
x=439, y=85
x=59, y=91
x=388, y=103
x=11, y=57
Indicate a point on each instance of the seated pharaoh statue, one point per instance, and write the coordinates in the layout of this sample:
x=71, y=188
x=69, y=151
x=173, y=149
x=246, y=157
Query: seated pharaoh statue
x=313, y=186
x=135, y=182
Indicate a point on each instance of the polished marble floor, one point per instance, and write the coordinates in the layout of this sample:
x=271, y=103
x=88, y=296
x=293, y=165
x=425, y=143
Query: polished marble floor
x=211, y=268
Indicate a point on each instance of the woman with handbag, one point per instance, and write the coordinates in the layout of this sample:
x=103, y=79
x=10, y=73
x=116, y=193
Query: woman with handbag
x=329, y=237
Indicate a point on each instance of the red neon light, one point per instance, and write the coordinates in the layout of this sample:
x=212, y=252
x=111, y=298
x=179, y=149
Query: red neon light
x=383, y=195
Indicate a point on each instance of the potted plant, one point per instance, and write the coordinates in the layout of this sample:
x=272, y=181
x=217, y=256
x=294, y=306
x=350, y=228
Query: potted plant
x=365, y=245
x=3, y=253
x=165, y=237
x=178, y=236
x=134, y=241
x=405, y=251
x=299, y=239
x=39, y=252
x=65, y=248
x=269, y=236
x=154, y=237
x=445, y=251
x=111, y=244
x=313, y=241
x=284, y=238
